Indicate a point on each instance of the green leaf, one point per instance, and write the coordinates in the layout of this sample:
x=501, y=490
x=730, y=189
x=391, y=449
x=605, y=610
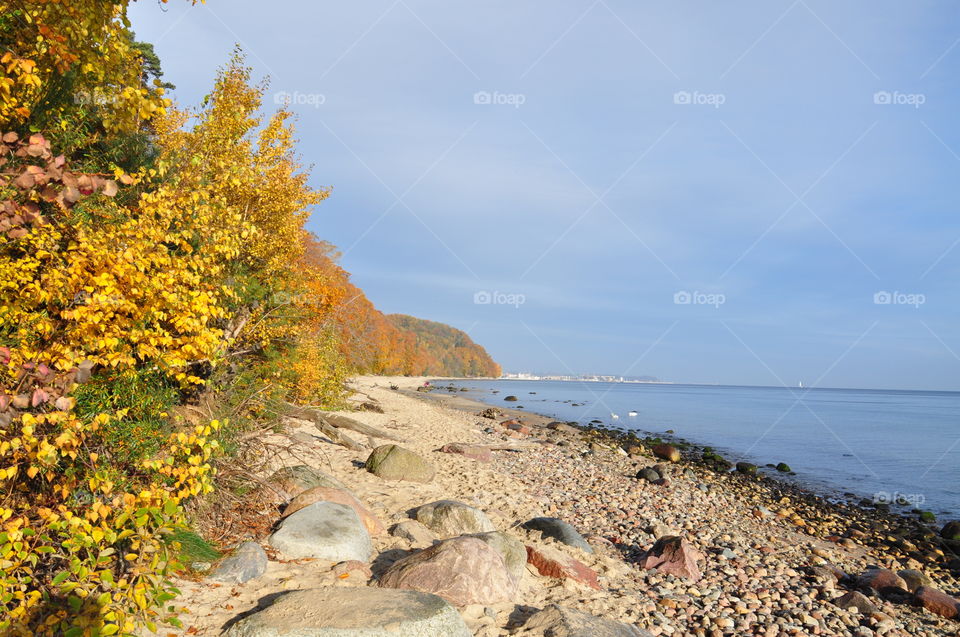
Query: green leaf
x=61, y=576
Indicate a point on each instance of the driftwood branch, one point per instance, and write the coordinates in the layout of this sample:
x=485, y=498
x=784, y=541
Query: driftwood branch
x=336, y=436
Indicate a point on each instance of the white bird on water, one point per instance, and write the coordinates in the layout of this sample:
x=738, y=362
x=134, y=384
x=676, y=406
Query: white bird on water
x=614, y=416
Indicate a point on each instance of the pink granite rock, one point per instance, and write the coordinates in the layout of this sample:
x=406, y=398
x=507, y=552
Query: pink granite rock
x=550, y=562
x=674, y=555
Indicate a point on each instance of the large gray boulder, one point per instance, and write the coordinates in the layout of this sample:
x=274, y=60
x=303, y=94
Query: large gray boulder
x=560, y=531
x=247, y=562
x=392, y=462
x=462, y=570
x=325, y=531
x=512, y=550
x=449, y=518
x=353, y=612
x=557, y=621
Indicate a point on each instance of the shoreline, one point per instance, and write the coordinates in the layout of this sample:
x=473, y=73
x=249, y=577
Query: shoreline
x=831, y=494
x=879, y=524
x=754, y=571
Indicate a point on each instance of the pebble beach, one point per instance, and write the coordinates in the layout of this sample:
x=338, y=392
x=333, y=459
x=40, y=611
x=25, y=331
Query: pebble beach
x=592, y=533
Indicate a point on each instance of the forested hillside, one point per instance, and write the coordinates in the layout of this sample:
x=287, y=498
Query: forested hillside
x=444, y=350
x=160, y=299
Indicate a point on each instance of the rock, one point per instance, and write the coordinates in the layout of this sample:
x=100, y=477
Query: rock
x=914, y=579
x=648, y=474
x=511, y=549
x=392, y=462
x=557, y=621
x=246, y=563
x=474, y=452
x=323, y=530
x=666, y=452
x=511, y=399
x=326, y=494
x=490, y=412
x=462, y=570
x=951, y=530
x=560, y=531
x=550, y=562
x=413, y=532
x=297, y=479
x=746, y=468
x=352, y=568
x=927, y=516
x=353, y=612
x=937, y=602
x=881, y=580
x=783, y=467
x=449, y=518
x=857, y=600
x=519, y=427
x=674, y=555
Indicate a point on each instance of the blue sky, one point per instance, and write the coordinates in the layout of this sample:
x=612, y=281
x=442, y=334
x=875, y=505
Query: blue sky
x=587, y=167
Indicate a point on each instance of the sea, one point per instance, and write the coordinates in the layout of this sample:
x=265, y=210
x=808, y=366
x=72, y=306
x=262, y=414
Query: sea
x=882, y=445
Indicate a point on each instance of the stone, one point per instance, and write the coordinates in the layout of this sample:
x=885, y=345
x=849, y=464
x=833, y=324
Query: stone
x=353, y=612
x=951, y=530
x=558, y=621
x=550, y=562
x=474, y=452
x=560, y=531
x=462, y=570
x=297, y=479
x=511, y=549
x=648, y=474
x=449, y=518
x=249, y=561
x=914, y=579
x=392, y=462
x=326, y=494
x=881, y=580
x=858, y=601
x=783, y=467
x=937, y=602
x=675, y=556
x=746, y=468
x=666, y=452
x=413, y=532
x=511, y=399
x=352, y=568
x=325, y=531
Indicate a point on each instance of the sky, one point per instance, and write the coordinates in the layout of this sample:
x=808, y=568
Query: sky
x=759, y=192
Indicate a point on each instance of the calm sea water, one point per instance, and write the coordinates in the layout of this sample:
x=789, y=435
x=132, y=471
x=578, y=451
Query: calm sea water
x=874, y=443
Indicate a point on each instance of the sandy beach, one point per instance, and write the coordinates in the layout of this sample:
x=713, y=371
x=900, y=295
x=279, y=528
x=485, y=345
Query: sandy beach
x=753, y=557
